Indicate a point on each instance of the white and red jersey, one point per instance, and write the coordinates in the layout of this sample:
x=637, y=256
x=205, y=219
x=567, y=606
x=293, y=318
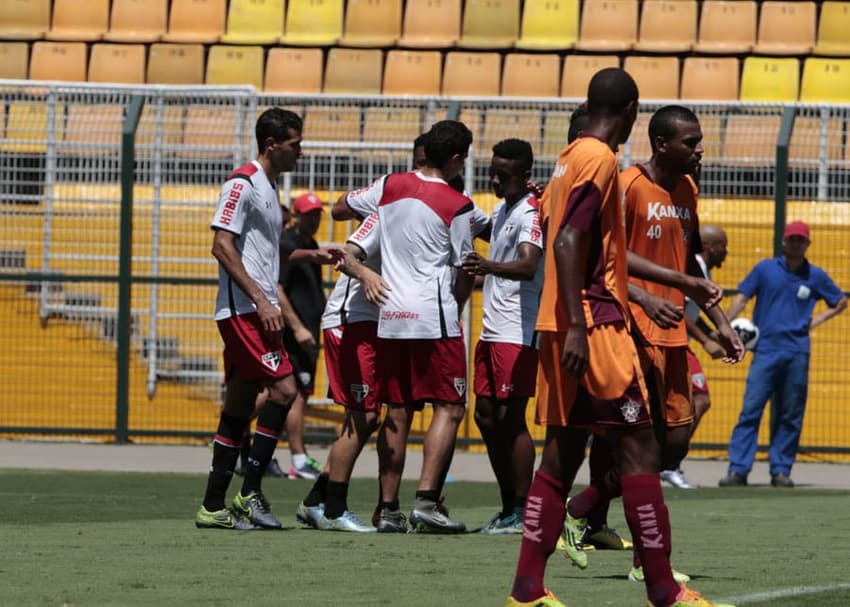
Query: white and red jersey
x=425, y=234
x=510, y=306
x=347, y=303
x=249, y=206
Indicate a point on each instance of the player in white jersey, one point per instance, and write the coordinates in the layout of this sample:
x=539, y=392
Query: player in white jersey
x=250, y=311
x=425, y=235
x=506, y=354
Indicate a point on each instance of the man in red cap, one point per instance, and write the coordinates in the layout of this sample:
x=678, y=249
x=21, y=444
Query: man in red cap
x=786, y=290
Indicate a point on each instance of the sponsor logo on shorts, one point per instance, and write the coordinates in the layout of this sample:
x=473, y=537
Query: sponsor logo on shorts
x=698, y=379
x=460, y=385
x=359, y=392
x=630, y=410
x=272, y=360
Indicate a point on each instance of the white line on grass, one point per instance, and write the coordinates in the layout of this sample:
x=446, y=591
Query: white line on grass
x=759, y=597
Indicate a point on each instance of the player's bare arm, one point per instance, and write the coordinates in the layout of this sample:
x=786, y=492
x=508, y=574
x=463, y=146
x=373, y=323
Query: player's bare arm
x=737, y=306
x=524, y=267
x=570, y=250
x=374, y=286
x=301, y=333
x=704, y=292
x=323, y=256
x=662, y=312
x=727, y=338
x=708, y=343
x=828, y=313
x=225, y=251
x=340, y=211
x=464, y=283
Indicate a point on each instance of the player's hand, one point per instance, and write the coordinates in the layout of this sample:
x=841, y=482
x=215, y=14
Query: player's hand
x=662, y=312
x=703, y=292
x=714, y=349
x=375, y=288
x=305, y=339
x=270, y=316
x=329, y=255
x=575, y=358
x=535, y=188
x=732, y=345
x=476, y=265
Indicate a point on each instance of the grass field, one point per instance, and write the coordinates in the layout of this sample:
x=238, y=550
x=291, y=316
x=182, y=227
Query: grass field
x=129, y=539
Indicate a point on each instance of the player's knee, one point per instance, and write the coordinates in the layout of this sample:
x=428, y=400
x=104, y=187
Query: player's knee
x=372, y=422
x=283, y=391
x=484, y=418
x=453, y=412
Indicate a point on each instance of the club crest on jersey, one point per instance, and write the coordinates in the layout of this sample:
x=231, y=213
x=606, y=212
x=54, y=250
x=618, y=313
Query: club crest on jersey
x=359, y=392
x=460, y=385
x=630, y=410
x=272, y=360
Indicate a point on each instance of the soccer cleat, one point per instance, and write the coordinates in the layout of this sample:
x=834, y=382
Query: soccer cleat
x=255, y=507
x=733, y=480
x=499, y=525
x=274, y=470
x=433, y=517
x=604, y=539
x=676, y=478
x=222, y=519
x=547, y=600
x=309, y=515
x=348, y=521
x=310, y=470
x=636, y=575
x=781, y=480
x=390, y=521
x=572, y=533
x=692, y=598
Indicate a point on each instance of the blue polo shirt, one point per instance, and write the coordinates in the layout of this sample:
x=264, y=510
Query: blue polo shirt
x=785, y=300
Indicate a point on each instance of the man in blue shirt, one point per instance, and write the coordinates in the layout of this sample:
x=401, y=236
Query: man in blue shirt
x=786, y=290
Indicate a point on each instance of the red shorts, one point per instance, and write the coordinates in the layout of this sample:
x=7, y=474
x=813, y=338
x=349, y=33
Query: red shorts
x=698, y=383
x=416, y=371
x=504, y=370
x=250, y=352
x=350, y=365
x=611, y=394
x=666, y=371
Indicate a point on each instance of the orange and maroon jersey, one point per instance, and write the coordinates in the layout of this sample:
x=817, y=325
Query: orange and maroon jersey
x=585, y=193
x=660, y=226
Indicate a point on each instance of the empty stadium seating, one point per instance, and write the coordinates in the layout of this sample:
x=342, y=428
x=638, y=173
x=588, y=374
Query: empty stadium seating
x=608, y=25
x=122, y=63
x=235, y=65
x=656, y=77
x=578, y=69
x=371, y=23
x=196, y=21
x=137, y=20
x=549, y=25
x=431, y=24
x=58, y=61
x=770, y=79
x=710, y=78
x=826, y=81
x=294, y=70
x=313, y=22
x=353, y=71
x=254, y=22
x=489, y=24
x=14, y=60
x=476, y=74
x=727, y=27
x=526, y=75
x=786, y=28
x=667, y=26
x=413, y=73
x=176, y=64
x=24, y=19
x=79, y=20
x=834, y=30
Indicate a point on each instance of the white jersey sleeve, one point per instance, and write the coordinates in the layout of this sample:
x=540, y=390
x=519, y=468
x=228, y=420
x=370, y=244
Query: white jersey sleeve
x=368, y=237
x=461, y=237
x=365, y=201
x=529, y=228
x=479, y=221
x=233, y=205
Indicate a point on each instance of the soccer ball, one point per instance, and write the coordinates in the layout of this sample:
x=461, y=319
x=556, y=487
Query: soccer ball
x=747, y=331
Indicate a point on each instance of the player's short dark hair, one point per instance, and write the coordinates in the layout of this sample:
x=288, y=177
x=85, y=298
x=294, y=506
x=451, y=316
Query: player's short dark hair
x=457, y=183
x=276, y=123
x=515, y=149
x=445, y=139
x=610, y=91
x=420, y=141
x=663, y=122
x=578, y=122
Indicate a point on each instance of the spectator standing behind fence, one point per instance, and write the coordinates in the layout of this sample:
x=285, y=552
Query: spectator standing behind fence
x=786, y=289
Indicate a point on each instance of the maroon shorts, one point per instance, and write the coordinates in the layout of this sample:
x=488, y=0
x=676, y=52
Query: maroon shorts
x=350, y=365
x=416, y=371
x=250, y=352
x=698, y=383
x=504, y=370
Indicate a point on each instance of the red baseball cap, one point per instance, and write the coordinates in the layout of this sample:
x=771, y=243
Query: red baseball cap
x=797, y=228
x=307, y=203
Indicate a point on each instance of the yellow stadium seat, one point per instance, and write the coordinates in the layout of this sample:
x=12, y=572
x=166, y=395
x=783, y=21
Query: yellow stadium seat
x=413, y=73
x=391, y=125
x=353, y=71
x=254, y=22
x=121, y=63
x=826, y=81
x=608, y=25
x=472, y=74
x=332, y=123
x=502, y=124
x=58, y=61
x=176, y=64
x=92, y=129
x=727, y=27
x=770, y=79
x=750, y=140
x=531, y=75
x=710, y=78
x=313, y=22
x=137, y=20
x=549, y=25
x=27, y=129
x=834, y=30
x=807, y=138
x=79, y=20
x=556, y=128
x=667, y=26
x=656, y=77
x=14, y=60
x=786, y=28
x=431, y=24
x=489, y=24
x=235, y=65
x=209, y=132
x=371, y=23
x=579, y=69
x=294, y=70
x=24, y=19
x=196, y=21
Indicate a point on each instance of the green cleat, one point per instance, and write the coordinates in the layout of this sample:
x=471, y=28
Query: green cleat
x=222, y=519
x=605, y=539
x=507, y=525
x=255, y=507
x=574, y=529
x=348, y=521
x=636, y=575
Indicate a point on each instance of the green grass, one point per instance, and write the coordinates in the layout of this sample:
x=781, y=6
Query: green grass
x=129, y=539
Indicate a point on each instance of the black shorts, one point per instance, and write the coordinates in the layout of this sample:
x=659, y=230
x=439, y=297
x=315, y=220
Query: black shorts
x=303, y=363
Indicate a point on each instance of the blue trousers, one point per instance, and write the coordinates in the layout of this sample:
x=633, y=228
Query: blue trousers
x=784, y=377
